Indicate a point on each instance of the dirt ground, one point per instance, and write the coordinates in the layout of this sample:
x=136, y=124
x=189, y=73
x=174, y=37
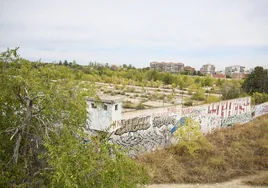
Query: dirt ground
x=235, y=183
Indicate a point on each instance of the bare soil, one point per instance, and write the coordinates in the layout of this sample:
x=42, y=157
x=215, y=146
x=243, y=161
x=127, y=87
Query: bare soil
x=241, y=182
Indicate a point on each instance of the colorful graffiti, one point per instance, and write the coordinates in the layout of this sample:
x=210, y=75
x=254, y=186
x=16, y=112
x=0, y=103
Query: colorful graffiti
x=144, y=134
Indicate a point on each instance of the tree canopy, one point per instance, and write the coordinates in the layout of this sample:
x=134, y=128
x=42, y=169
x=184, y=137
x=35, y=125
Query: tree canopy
x=42, y=120
x=257, y=81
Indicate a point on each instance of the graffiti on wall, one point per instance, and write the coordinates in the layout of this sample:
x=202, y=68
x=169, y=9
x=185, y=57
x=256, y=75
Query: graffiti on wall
x=166, y=120
x=261, y=109
x=240, y=118
x=230, y=107
x=133, y=125
x=144, y=134
x=149, y=132
x=211, y=116
x=143, y=141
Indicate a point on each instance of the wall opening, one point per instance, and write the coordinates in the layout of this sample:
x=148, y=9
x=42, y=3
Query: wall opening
x=93, y=105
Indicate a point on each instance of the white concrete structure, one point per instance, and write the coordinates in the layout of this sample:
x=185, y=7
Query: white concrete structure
x=103, y=111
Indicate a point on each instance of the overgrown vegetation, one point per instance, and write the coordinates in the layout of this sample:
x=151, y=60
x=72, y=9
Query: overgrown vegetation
x=42, y=120
x=222, y=155
x=257, y=85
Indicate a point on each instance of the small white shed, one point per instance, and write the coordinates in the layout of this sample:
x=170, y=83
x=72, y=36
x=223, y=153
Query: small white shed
x=103, y=111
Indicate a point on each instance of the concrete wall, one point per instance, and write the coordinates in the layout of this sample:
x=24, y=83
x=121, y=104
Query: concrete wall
x=220, y=114
x=150, y=129
x=147, y=130
x=261, y=109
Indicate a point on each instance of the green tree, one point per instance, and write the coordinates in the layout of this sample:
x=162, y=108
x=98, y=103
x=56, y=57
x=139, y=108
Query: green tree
x=65, y=63
x=258, y=98
x=43, y=114
x=199, y=95
x=230, y=90
x=257, y=81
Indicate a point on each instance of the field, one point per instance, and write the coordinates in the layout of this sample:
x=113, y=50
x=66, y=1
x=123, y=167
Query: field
x=223, y=155
x=137, y=97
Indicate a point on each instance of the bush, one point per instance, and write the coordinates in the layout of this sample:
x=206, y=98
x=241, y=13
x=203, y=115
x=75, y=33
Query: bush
x=140, y=106
x=258, y=98
x=199, y=95
x=129, y=105
x=212, y=98
x=188, y=102
x=190, y=138
x=93, y=164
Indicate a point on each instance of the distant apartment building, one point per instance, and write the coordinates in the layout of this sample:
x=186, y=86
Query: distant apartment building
x=189, y=69
x=235, y=69
x=167, y=66
x=208, y=69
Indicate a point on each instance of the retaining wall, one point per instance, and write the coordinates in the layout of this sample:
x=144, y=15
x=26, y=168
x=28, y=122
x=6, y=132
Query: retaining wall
x=148, y=130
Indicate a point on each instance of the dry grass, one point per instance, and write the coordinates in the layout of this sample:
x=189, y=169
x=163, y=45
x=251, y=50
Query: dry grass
x=258, y=180
x=227, y=153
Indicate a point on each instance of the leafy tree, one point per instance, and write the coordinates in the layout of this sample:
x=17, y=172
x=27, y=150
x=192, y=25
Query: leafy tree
x=257, y=81
x=190, y=138
x=199, y=95
x=258, y=98
x=167, y=79
x=230, y=90
x=94, y=164
x=43, y=114
x=65, y=63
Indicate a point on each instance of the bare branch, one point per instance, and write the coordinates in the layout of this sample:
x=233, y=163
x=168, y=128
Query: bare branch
x=8, y=130
x=17, y=130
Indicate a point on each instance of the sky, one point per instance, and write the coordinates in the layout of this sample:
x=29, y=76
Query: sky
x=137, y=32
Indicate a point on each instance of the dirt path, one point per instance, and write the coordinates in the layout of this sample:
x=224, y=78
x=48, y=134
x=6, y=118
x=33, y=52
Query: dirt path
x=236, y=183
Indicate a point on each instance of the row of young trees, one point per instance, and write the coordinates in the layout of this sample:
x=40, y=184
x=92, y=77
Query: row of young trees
x=42, y=120
x=129, y=75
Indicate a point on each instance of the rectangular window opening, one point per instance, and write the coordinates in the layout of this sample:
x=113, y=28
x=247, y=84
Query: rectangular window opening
x=116, y=107
x=93, y=105
x=105, y=107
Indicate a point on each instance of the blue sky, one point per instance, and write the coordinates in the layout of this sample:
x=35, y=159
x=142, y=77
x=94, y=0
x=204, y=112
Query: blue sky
x=195, y=32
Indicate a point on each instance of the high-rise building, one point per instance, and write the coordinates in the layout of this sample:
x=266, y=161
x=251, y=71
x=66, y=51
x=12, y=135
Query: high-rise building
x=167, y=66
x=208, y=69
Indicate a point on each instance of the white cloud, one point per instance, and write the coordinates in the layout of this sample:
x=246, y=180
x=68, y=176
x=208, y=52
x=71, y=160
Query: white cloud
x=106, y=30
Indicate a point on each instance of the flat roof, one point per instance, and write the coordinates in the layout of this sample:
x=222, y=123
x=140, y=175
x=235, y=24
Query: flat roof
x=107, y=98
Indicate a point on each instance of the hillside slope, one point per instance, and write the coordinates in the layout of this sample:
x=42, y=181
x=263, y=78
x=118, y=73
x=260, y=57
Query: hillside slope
x=225, y=154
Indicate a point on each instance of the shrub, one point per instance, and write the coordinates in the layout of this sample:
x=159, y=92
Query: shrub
x=199, y=95
x=140, y=106
x=93, y=164
x=212, y=98
x=190, y=138
x=258, y=98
